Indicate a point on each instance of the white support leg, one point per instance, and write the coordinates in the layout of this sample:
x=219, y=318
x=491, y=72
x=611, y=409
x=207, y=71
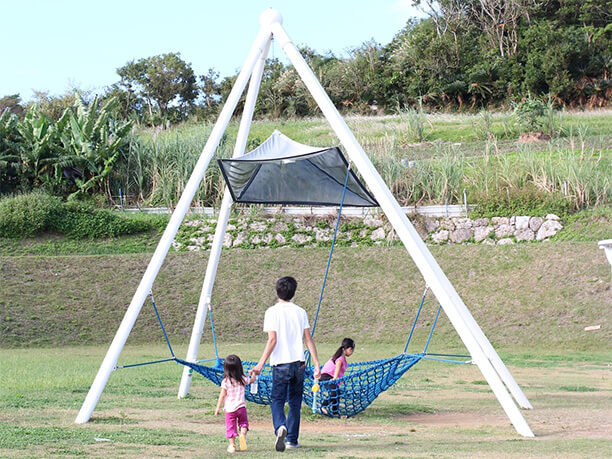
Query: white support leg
x=217, y=245
x=144, y=288
x=431, y=271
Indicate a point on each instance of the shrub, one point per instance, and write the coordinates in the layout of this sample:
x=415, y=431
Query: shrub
x=31, y=214
x=82, y=220
x=531, y=114
x=28, y=214
x=524, y=201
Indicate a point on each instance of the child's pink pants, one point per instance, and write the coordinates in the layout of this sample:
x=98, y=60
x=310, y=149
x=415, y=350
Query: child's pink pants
x=238, y=417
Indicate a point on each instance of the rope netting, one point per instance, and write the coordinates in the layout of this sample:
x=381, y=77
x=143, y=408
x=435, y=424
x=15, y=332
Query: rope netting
x=343, y=397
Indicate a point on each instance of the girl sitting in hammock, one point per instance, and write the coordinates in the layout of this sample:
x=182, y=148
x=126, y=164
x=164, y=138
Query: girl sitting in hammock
x=334, y=368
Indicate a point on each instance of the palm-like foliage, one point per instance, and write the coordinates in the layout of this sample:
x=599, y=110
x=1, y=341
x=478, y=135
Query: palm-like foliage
x=9, y=148
x=92, y=142
x=37, y=148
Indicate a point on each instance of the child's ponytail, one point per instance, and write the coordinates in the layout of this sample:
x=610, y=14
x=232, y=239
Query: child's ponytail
x=347, y=343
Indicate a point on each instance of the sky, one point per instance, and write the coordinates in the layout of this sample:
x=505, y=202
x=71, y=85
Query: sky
x=57, y=45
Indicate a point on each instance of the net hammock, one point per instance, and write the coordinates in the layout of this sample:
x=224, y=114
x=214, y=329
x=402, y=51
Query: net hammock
x=344, y=397
x=361, y=383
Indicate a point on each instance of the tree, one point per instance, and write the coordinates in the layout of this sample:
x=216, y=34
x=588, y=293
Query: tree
x=38, y=149
x=500, y=21
x=12, y=103
x=129, y=104
x=9, y=151
x=211, y=90
x=53, y=107
x=164, y=81
x=449, y=16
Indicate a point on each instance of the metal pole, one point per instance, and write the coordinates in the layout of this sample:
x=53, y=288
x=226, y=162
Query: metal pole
x=217, y=245
x=431, y=271
x=112, y=355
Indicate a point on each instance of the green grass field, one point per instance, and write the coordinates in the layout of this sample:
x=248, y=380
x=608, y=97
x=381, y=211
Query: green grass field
x=435, y=410
x=532, y=300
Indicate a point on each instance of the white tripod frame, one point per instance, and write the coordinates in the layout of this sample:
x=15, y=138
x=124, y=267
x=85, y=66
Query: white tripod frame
x=482, y=352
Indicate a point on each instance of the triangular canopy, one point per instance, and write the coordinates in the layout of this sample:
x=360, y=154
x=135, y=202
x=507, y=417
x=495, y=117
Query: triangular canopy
x=283, y=171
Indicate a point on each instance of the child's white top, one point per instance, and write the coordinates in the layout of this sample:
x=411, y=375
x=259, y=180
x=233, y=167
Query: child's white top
x=289, y=321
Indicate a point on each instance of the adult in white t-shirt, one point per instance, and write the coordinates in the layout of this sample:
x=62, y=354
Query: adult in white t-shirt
x=288, y=329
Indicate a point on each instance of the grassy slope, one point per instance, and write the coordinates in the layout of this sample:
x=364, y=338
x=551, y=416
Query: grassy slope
x=522, y=296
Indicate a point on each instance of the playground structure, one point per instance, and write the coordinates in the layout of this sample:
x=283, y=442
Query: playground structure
x=481, y=351
x=606, y=246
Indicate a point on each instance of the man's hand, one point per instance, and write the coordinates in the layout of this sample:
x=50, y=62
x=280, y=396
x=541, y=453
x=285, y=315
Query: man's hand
x=310, y=345
x=270, y=344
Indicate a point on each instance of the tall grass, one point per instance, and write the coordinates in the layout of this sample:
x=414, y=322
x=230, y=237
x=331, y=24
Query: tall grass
x=585, y=181
x=159, y=166
x=479, y=156
x=412, y=124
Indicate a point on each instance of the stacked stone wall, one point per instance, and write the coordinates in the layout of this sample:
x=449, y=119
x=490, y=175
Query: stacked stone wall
x=252, y=232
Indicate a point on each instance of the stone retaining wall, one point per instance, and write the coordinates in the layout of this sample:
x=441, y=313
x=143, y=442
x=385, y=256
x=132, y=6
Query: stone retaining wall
x=496, y=230
x=279, y=231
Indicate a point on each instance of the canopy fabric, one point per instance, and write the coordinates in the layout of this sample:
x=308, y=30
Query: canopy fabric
x=283, y=171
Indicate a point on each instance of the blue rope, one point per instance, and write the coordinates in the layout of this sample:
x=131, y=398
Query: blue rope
x=444, y=360
x=314, y=324
x=161, y=324
x=165, y=336
x=119, y=367
x=432, y=329
x=212, y=328
x=416, y=318
x=450, y=355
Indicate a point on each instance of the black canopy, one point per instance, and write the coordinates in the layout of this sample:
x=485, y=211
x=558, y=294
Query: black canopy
x=282, y=171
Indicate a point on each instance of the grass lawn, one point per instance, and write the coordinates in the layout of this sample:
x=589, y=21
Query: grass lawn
x=435, y=410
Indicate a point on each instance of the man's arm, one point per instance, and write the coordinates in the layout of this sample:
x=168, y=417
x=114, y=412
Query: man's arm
x=270, y=345
x=310, y=345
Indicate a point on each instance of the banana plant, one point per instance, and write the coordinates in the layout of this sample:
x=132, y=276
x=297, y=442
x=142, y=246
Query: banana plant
x=9, y=148
x=93, y=141
x=38, y=148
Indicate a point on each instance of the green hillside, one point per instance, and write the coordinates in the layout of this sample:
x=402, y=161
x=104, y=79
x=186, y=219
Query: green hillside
x=523, y=296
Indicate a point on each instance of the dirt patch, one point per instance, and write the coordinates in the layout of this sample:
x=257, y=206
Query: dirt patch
x=571, y=424
x=534, y=137
x=459, y=419
x=546, y=424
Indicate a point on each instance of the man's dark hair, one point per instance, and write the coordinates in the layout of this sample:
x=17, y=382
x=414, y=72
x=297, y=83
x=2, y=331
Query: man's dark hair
x=285, y=288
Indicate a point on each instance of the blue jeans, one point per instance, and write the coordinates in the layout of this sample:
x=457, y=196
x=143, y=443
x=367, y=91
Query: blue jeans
x=287, y=385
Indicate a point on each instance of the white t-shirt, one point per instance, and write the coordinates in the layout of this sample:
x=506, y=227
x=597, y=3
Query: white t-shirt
x=289, y=321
